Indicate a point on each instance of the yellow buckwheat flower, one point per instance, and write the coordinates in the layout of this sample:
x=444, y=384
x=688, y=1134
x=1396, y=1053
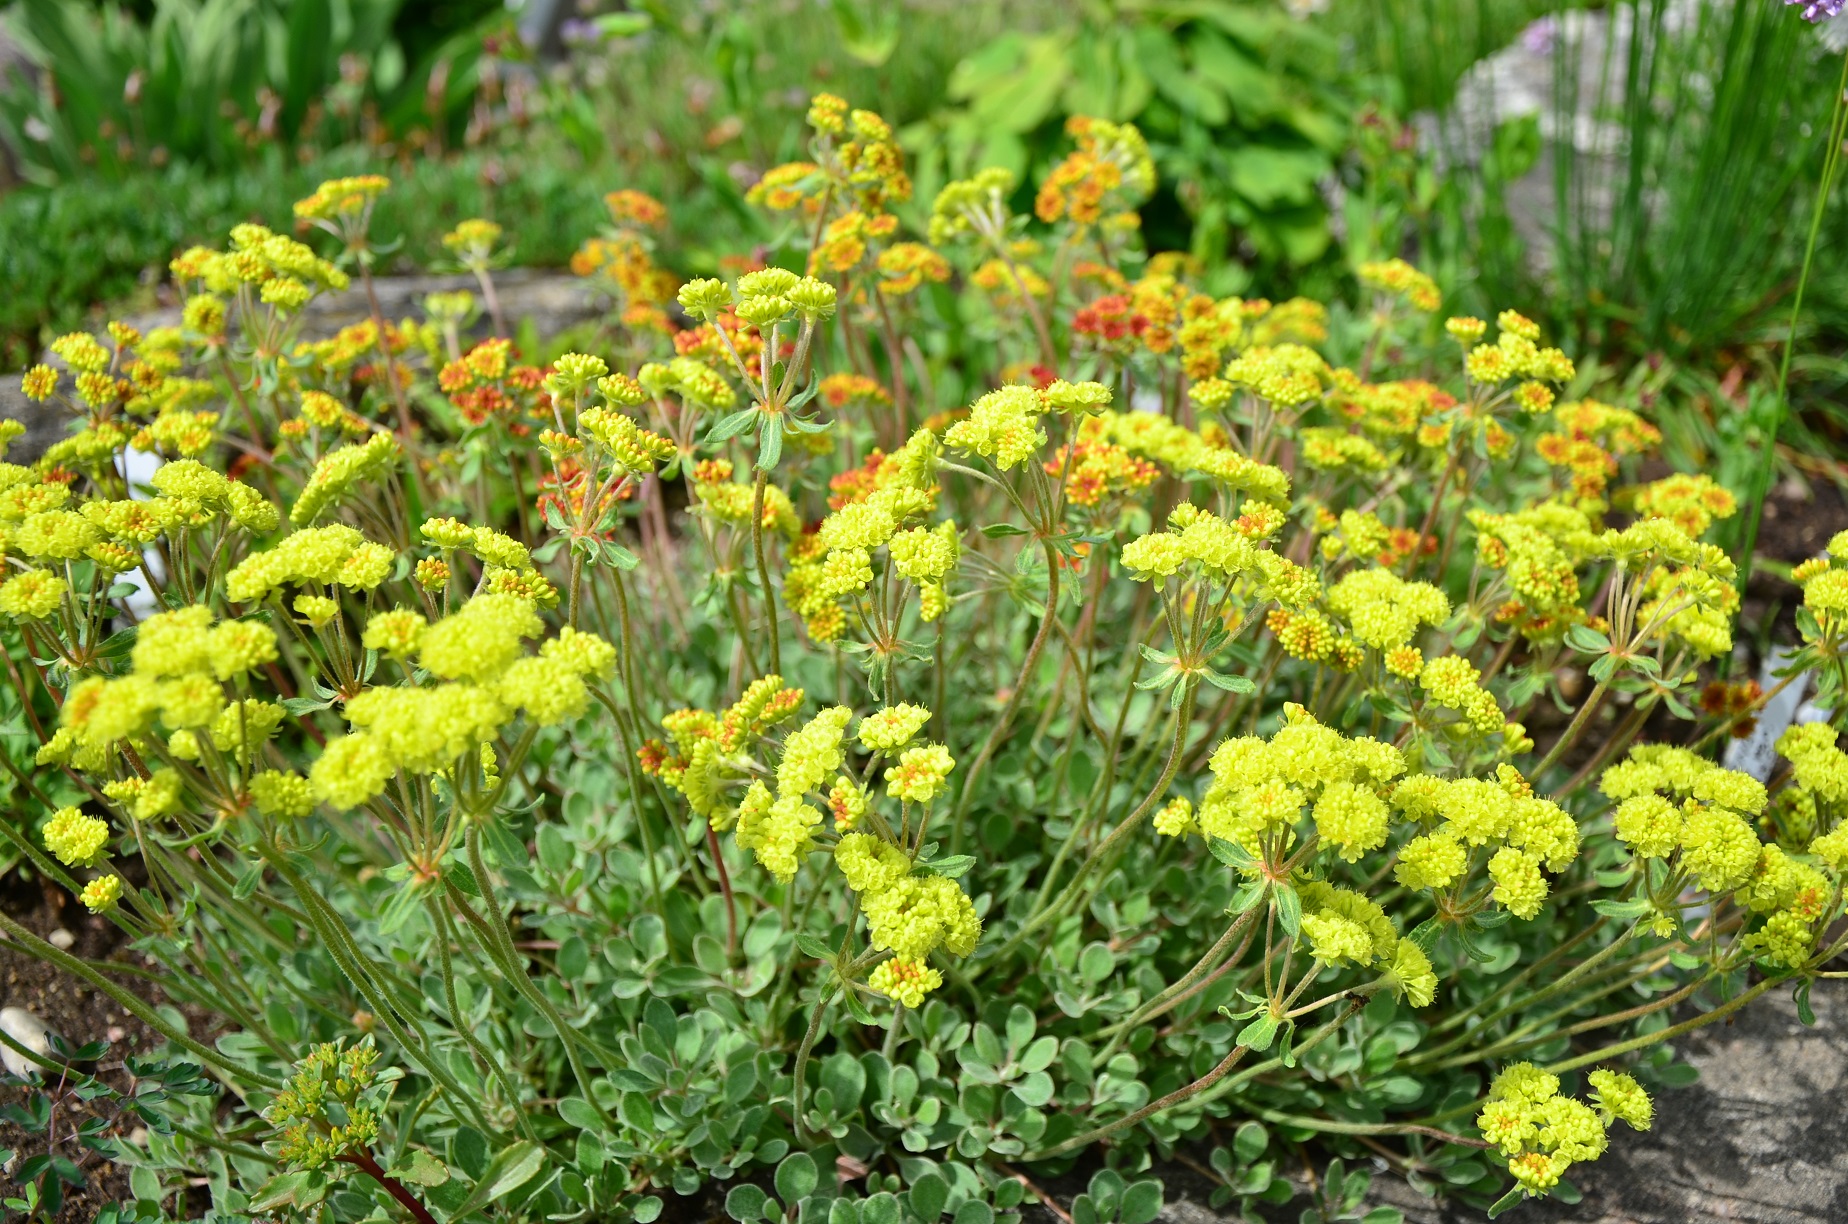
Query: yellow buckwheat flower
x=892, y=728
x=905, y=981
x=100, y=895
x=920, y=773
x=77, y=840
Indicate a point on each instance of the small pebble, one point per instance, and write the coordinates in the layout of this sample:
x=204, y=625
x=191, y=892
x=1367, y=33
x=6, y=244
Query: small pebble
x=61, y=939
x=115, y=1033
x=29, y=1031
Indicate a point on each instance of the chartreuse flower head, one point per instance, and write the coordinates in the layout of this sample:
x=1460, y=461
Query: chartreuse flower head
x=1262, y=788
x=1522, y=833
x=892, y=728
x=909, y=914
x=1002, y=425
x=101, y=894
x=920, y=774
x=904, y=981
x=1672, y=804
x=975, y=205
x=75, y=839
x=1543, y=1133
x=1205, y=545
x=1384, y=611
x=330, y=1106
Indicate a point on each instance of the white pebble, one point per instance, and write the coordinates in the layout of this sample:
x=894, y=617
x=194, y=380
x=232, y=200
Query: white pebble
x=61, y=939
x=29, y=1031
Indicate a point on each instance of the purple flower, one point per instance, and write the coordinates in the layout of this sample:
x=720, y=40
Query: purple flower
x=1538, y=38
x=1819, y=10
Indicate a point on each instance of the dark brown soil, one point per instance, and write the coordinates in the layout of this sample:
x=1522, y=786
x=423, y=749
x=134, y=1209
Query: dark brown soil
x=79, y=1014
x=1797, y=523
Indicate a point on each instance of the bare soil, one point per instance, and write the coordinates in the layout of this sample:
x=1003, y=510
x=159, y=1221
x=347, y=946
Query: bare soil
x=78, y=1013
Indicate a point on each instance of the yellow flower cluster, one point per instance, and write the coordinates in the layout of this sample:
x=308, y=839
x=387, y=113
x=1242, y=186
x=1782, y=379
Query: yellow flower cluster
x=830, y=571
x=1260, y=787
x=1383, y=610
x=1519, y=833
x=181, y=664
x=1184, y=452
x=1454, y=683
x=1397, y=277
x=1343, y=927
x=1516, y=354
x=779, y=830
x=1002, y=425
x=483, y=681
x=908, y=914
x=335, y=555
x=1674, y=805
x=339, y=471
x=1287, y=375
x=77, y=840
x=1543, y=1133
x=1208, y=547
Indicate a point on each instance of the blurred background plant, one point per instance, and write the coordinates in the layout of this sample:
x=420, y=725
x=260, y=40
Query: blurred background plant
x=1244, y=106
x=216, y=82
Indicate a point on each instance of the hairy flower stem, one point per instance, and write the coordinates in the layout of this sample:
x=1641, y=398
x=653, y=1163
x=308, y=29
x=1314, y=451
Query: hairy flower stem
x=725, y=887
x=1102, y=793
x=1514, y=983
x=1175, y=992
x=1573, y=729
x=1005, y=720
x=1668, y=1034
x=1564, y=982
x=439, y=926
x=1183, y=720
x=510, y=965
x=391, y=364
x=1613, y=745
x=802, y=1056
x=1531, y=1034
x=491, y=299
x=352, y=962
x=763, y=570
x=1154, y=1107
x=1203, y=1084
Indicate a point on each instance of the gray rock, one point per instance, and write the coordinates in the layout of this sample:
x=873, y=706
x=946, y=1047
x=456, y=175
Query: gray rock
x=45, y=423
x=551, y=300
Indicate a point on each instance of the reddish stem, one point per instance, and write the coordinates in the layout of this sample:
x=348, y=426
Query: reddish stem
x=363, y=1160
x=731, y=904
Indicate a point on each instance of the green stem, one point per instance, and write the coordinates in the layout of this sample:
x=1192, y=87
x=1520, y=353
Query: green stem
x=822, y=1000
x=1173, y=994
x=1573, y=730
x=439, y=927
x=763, y=569
x=1183, y=719
x=328, y=925
x=509, y=959
x=1014, y=700
x=1761, y=482
x=134, y=1005
x=1648, y=1039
